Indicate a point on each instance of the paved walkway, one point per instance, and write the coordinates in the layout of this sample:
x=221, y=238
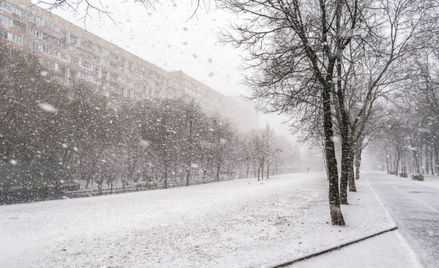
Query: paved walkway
x=386, y=250
x=415, y=208
x=391, y=249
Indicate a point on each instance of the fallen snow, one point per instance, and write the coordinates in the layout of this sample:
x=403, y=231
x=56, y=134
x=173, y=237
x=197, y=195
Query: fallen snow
x=240, y=223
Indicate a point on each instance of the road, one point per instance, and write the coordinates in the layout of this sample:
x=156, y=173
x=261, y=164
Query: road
x=415, y=208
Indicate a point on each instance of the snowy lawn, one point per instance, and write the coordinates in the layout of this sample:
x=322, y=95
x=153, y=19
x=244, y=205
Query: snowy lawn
x=240, y=223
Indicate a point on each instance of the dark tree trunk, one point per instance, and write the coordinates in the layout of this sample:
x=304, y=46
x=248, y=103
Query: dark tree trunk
x=331, y=161
x=415, y=156
x=346, y=146
x=268, y=170
x=189, y=162
x=259, y=172
x=165, y=177
x=352, y=186
x=358, y=163
x=218, y=169
x=436, y=155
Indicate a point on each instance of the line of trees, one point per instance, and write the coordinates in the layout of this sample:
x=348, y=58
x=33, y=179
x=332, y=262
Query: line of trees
x=170, y=141
x=327, y=63
x=408, y=139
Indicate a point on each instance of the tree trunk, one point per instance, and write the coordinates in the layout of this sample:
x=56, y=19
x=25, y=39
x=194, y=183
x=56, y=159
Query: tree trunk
x=259, y=172
x=268, y=170
x=346, y=146
x=331, y=161
x=358, y=163
x=352, y=186
x=165, y=177
x=436, y=156
x=218, y=169
x=387, y=161
x=189, y=162
x=415, y=156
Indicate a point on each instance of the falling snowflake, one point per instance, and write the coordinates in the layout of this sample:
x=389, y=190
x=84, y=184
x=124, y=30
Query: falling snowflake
x=144, y=143
x=47, y=107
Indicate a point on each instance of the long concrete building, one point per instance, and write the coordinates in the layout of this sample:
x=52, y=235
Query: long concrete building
x=73, y=55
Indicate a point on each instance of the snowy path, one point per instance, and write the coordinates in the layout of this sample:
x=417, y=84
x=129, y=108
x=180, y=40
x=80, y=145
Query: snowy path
x=241, y=223
x=415, y=207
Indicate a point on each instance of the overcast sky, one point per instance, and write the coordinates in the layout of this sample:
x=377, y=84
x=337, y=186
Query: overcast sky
x=168, y=37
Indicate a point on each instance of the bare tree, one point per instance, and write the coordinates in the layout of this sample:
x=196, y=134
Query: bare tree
x=296, y=46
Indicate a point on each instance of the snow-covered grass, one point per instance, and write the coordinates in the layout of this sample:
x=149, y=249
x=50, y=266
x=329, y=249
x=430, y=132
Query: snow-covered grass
x=240, y=223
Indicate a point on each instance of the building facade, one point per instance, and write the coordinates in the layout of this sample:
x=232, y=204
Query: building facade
x=73, y=56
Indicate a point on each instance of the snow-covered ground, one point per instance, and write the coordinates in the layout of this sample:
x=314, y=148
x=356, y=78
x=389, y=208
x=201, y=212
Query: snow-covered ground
x=430, y=180
x=240, y=223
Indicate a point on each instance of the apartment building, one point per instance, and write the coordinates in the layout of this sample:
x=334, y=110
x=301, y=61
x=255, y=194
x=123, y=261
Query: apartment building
x=73, y=55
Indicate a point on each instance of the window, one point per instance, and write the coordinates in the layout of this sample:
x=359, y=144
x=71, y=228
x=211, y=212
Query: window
x=38, y=20
x=62, y=69
x=73, y=39
x=63, y=38
x=34, y=32
x=113, y=75
x=72, y=73
x=18, y=40
x=74, y=60
x=96, y=79
x=65, y=57
x=51, y=52
x=55, y=28
x=19, y=11
x=85, y=64
x=35, y=46
x=19, y=25
x=3, y=34
x=7, y=6
x=47, y=24
x=114, y=55
x=5, y=20
x=51, y=39
x=87, y=43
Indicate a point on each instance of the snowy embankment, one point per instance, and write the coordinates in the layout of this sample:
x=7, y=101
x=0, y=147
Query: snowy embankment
x=240, y=223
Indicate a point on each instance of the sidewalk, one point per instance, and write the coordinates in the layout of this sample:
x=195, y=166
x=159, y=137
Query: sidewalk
x=385, y=250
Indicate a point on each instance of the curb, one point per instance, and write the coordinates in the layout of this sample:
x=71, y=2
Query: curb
x=334, y=248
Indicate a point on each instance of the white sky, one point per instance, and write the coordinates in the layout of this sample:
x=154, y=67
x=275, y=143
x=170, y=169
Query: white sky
x=168, y=37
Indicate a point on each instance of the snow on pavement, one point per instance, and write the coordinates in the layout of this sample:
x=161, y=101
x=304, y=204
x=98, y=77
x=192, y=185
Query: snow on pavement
x=240, y=223
x=368, y=253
